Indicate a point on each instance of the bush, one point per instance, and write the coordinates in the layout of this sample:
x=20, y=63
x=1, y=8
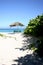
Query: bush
x=40, y=48
x=35, y=28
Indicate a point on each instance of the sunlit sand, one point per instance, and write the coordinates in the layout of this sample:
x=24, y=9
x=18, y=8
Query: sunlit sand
x=9, y=48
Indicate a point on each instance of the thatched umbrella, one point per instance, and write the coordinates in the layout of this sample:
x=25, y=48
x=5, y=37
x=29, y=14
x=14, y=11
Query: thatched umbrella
x=16, y=24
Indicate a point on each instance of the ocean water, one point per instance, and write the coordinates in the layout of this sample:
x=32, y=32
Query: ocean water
x=11, y=30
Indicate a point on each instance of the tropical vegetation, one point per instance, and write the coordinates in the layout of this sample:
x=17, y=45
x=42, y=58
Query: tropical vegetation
x=35, y=28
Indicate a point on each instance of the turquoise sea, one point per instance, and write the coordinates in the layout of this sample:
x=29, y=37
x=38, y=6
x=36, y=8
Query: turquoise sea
x=11, y=30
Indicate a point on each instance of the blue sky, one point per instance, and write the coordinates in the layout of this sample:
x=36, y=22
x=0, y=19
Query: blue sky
x=19, y=10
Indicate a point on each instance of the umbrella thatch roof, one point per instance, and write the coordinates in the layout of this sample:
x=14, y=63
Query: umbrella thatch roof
x=16, y=24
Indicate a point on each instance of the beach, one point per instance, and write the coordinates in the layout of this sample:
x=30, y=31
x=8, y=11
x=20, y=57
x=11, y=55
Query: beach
x=10, y=45
x=21, y=32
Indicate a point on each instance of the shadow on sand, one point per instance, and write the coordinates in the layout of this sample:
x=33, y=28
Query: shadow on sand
x=27, y=41
x=29, y=59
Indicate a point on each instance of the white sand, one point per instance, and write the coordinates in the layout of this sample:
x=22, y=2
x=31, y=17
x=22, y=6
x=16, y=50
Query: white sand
x=8, y=51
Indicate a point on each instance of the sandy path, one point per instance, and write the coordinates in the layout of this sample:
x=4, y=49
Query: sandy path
x=8, y=51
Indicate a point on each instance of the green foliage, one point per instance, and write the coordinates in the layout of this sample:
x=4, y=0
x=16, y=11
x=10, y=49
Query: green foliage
x=32, y=46
x=1, y=35
x=35, y=26
x=40, y=48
